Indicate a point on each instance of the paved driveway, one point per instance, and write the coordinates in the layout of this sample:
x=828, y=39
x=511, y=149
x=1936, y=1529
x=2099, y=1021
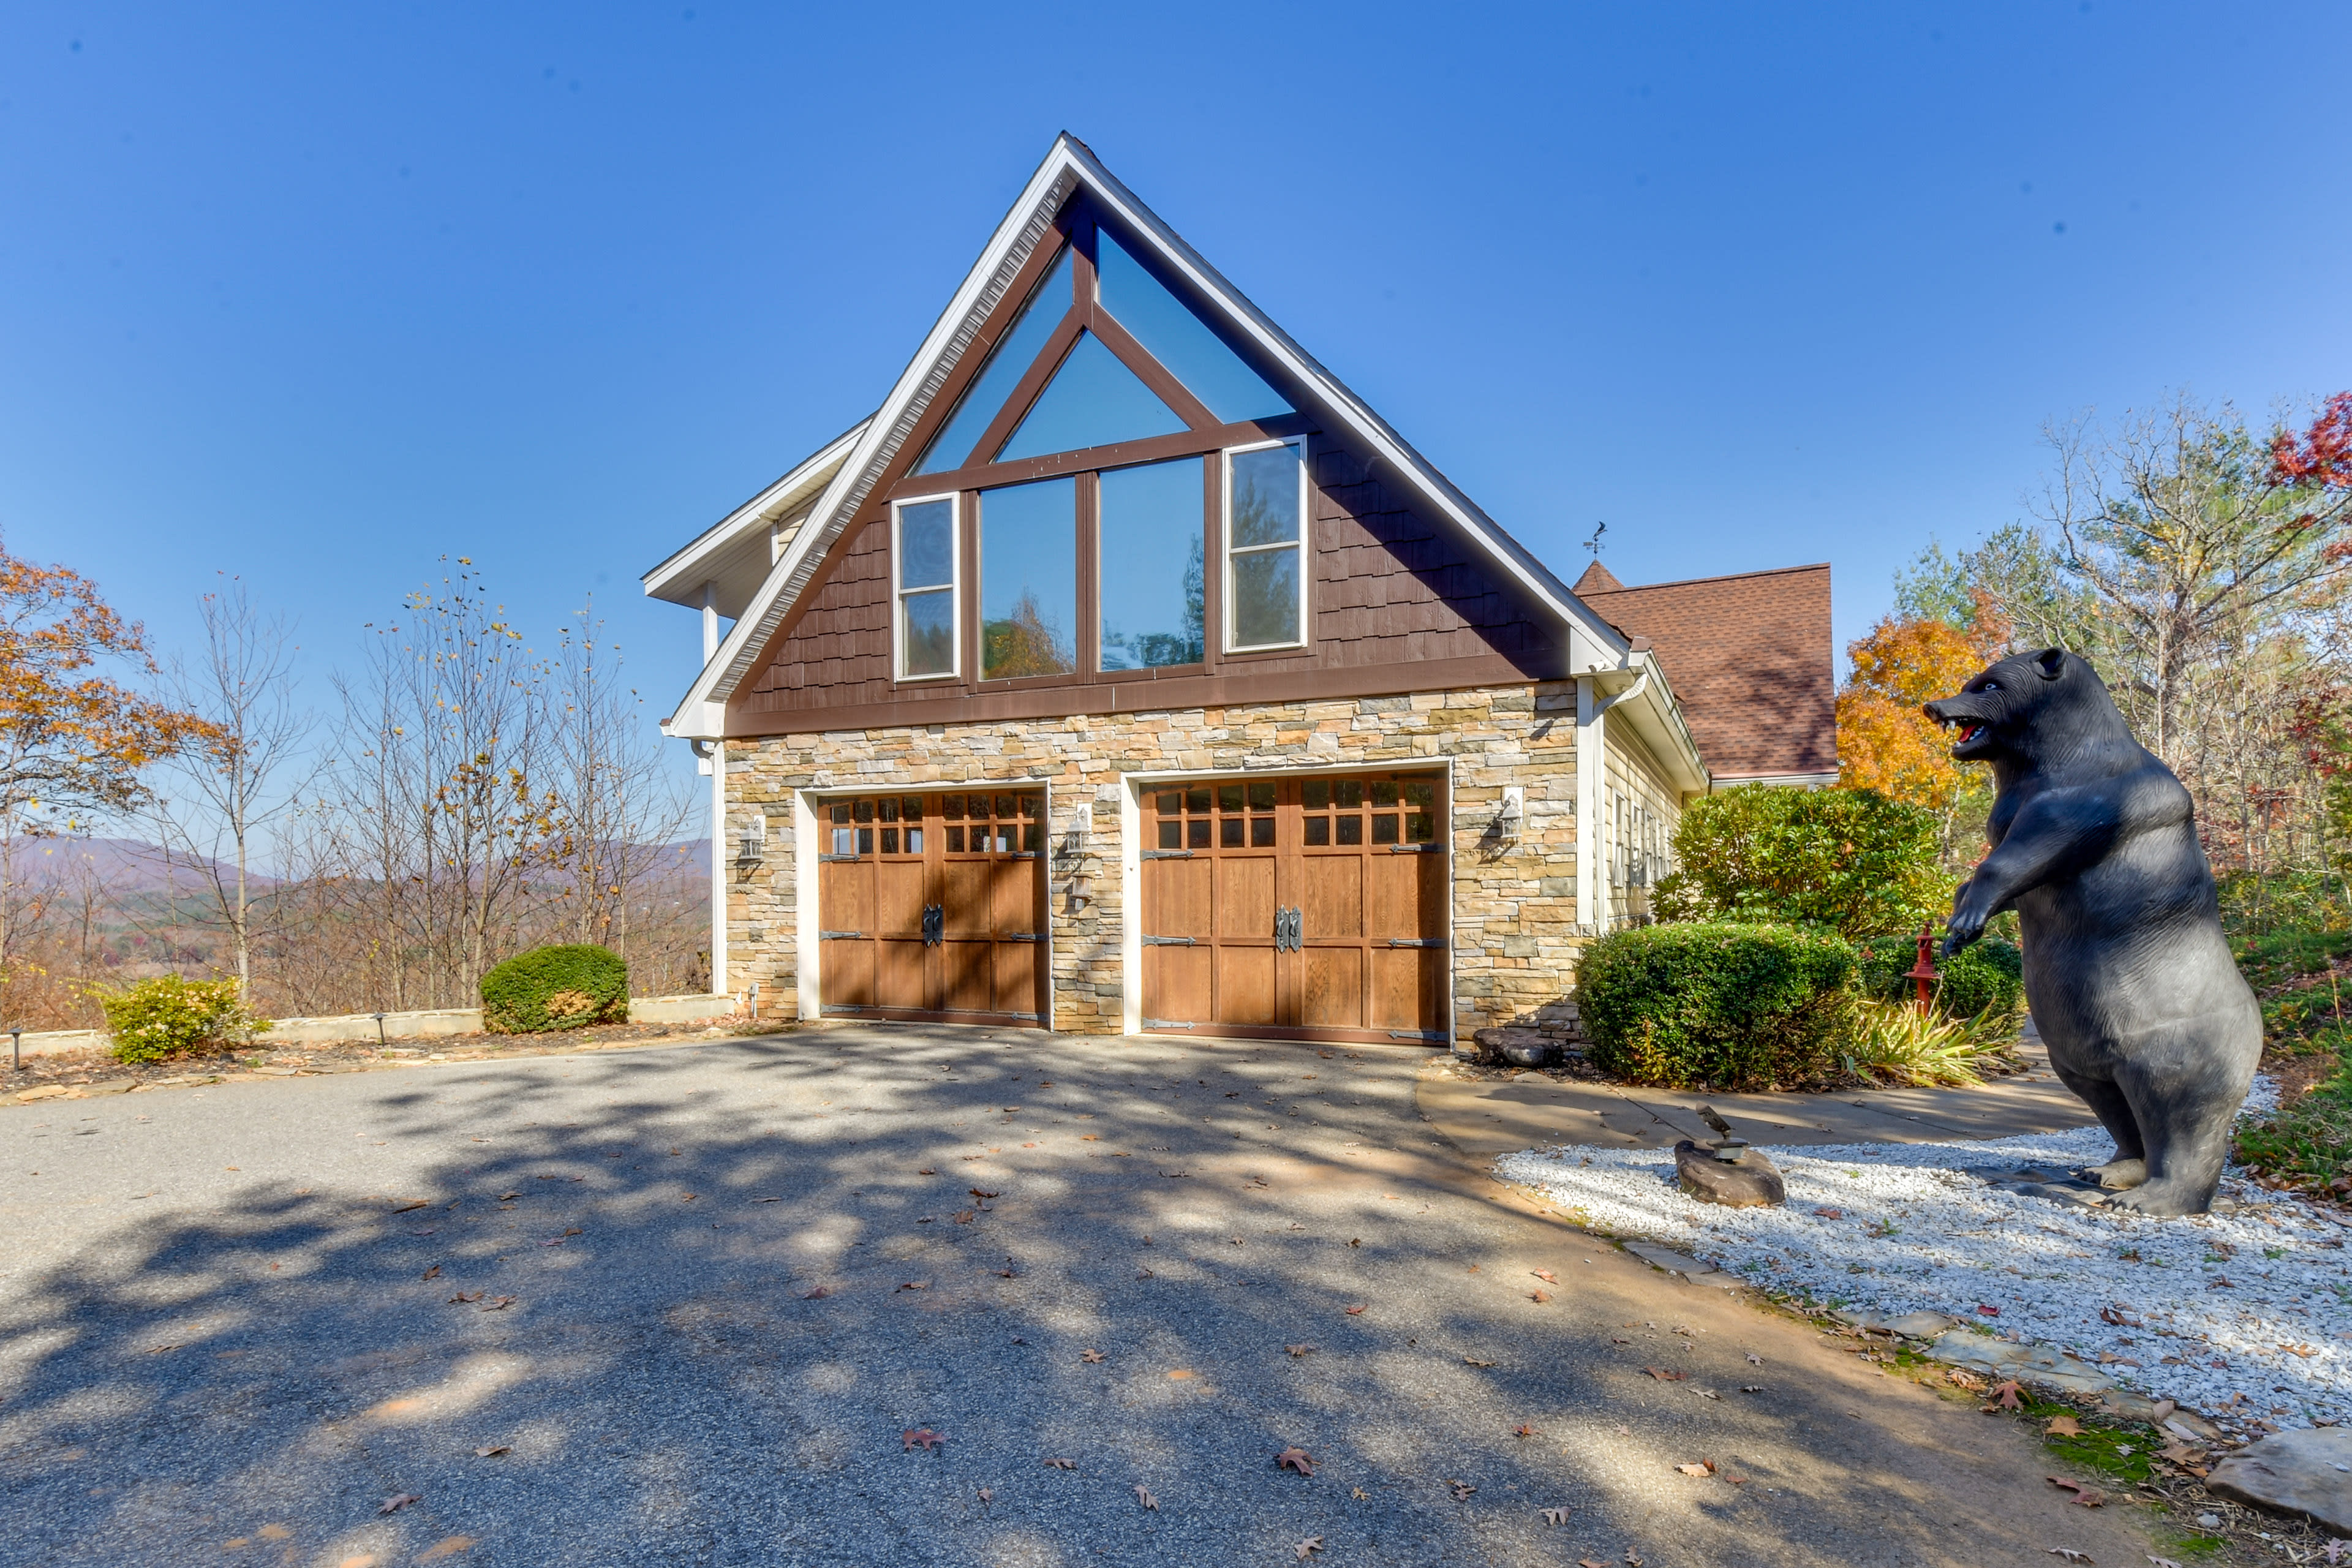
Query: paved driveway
x=728, y=1277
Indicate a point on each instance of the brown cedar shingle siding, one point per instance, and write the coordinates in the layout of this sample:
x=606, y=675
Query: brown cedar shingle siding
x=1390, y=590
x=1749, y=656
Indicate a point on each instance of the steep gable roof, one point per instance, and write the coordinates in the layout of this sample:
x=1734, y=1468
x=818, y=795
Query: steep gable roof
x=1752, y=659
x=1068, y=167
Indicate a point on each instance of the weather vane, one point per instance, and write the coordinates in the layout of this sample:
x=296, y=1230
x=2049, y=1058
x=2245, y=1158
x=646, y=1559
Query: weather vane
x=1593, y=544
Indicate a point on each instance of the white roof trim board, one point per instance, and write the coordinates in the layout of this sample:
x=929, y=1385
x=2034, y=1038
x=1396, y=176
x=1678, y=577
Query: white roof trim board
x=680, y=578
x=1593, y=642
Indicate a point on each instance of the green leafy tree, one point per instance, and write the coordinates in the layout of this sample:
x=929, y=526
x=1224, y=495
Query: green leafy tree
x=1848, y=858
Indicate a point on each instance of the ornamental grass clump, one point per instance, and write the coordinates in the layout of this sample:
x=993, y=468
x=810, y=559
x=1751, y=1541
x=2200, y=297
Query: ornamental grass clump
x=556, y=988
x=166, y=1015
x=1726, y=1004
x=1898, y=1043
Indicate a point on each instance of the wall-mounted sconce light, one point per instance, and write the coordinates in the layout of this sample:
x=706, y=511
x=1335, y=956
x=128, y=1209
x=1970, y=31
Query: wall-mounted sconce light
x=755, y=841
x=1512, y=817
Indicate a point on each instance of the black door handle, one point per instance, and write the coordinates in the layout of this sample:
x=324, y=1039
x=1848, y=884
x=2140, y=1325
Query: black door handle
x=935, y=924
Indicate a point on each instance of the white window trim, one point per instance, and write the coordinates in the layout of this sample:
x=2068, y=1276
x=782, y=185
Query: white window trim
x=954, y=588
x=1226, y=546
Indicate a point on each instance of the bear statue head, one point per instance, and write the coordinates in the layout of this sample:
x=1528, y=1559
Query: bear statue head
x=2029, y=706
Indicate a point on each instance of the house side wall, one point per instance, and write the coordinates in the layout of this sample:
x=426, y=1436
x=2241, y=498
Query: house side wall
x=1513, y=934
x=1390, y=588
x=1639, y=808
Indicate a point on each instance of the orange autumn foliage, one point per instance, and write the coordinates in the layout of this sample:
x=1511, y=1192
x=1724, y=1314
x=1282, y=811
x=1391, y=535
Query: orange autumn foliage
x=72, y=741
x=1884, y=741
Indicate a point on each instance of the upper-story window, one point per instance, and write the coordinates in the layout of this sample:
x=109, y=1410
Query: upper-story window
x=1128, y=486
x=928, y=616
x=1265, y=537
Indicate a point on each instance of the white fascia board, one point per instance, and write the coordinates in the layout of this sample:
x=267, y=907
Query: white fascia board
x=1029, y=219
x=681, y=577
x=1657, y=716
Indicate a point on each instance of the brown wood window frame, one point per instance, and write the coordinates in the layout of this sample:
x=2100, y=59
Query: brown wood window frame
x=1205, y=437
x=959, y=506
x=1223, y=540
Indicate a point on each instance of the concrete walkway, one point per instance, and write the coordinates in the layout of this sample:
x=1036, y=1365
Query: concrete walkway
x=1485, y=1116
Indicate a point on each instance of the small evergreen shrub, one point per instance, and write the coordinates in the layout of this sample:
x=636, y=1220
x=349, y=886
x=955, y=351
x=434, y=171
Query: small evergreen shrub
x=1987, y=978
x=165, y=1015
x=1725, y=1005
x=555, y=988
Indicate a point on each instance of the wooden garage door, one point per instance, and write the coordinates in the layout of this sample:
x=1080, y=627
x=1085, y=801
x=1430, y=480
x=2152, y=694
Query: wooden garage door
x=933, y=907
x=1301, y=909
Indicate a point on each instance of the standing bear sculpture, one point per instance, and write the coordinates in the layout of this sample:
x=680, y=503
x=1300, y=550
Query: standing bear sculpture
x=2129, y=977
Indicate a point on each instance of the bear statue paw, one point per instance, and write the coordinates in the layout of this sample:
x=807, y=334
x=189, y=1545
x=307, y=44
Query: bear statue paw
x=2163, y=1200
x=2117, y=1176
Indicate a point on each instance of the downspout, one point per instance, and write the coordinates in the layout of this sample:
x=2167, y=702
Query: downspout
x=715, y=752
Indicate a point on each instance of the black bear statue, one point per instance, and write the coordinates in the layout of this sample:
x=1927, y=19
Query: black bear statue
x=2126, y=970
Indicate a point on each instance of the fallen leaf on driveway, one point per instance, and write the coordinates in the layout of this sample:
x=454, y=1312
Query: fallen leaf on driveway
x=1062, y=1464
x=1831, y=1214
x=1546, y=1275
x=2006, y=1396
x=1527, y=1431
x=987, y=1495
x=406, y=1208
x=1473, y=1360
x=2062, y=1426
x=818, y=1294
x=1091, y=1356
x=1700, y=1471
x=492, y=1453
x=463, y=1296
x=921, y=1438
x=927, y=1171
x=1180, y=1373
x=1462, y=1491
x=1356, y=1311
x=432, y=1273
x=498, y=1303
x=964, y=1217
x=1557, y=1515
x=767, y=1200
x=1295, y=1459
x=916, y=1285
x=983, y=1197
x=1984, y=1311
x=1539, y=1297
x=399, y=1501
x=1589, y=1562
x=1299, y=1350
x=1144, y=1495
x=2070, y=1555
x=2087, y=1496
x=1312, y=1544
x=1663, y=1375
x=447, y=1546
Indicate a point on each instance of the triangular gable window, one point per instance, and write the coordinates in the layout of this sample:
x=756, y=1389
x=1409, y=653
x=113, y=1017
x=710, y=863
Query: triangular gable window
x=1092, y=401
x=1040, y=314
x=1179, y=339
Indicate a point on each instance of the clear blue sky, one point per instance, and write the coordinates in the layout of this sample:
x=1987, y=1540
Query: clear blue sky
x=318, y=293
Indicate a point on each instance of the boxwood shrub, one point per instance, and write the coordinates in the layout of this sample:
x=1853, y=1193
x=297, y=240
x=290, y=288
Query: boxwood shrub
x=167, y=1014
x=1986, y=977
x=556, y=988
x=1719, y=1003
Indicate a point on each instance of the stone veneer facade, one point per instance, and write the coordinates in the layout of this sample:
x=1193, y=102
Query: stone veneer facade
x=1513, y=935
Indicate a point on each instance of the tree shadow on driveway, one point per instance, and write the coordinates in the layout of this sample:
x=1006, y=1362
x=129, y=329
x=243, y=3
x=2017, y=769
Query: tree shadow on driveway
x=695, y=1300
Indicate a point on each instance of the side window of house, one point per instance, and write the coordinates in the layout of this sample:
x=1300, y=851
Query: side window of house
x=926, y=592
x=1266, y=545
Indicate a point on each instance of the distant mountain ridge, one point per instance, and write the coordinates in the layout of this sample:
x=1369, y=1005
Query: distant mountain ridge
x=132, y=866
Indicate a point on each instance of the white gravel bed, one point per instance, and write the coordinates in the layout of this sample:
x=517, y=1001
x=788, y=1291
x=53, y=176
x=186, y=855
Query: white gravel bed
x=1914, y=1231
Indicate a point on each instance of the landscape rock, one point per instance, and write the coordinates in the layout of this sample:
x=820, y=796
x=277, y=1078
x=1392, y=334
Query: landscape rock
x=2006, y=1358
x=1750, y=1182
x=1684, y=1264
x=1528, y=1053
x=46, y=1091
x=112, y=1085
x=2306, y=1472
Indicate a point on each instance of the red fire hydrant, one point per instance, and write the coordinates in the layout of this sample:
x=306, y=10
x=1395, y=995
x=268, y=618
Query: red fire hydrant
x=1923, y=973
